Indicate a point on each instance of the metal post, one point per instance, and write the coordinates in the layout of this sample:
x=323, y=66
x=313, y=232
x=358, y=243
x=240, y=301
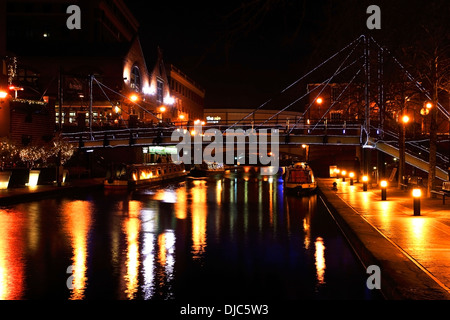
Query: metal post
x=91, y=78
x=417, y=193
x=60, y=98
x=417, y=206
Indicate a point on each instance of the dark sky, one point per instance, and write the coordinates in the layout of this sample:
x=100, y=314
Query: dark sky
x=245, y=52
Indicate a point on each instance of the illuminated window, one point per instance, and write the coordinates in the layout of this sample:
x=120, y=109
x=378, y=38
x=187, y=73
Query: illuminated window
x=135, y=78
x=159, y=90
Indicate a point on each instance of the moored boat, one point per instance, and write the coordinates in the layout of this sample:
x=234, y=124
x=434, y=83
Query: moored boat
x=135, y=175
x=299, y=178
x=207, y=169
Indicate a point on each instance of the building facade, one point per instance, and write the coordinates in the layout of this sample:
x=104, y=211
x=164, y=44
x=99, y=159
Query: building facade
x=189, y=97
x=98, y=74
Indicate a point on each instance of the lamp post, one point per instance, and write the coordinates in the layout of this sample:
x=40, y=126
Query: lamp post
x=383, y=185
x=365, y=180
x=351, y=175
x=401, y=165
x=343, y=174
x=416, y=193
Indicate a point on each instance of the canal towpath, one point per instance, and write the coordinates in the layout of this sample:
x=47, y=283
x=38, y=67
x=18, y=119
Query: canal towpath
x=412, y=252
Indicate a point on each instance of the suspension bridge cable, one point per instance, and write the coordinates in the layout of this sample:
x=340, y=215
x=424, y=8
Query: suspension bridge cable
x=323, y=88
x=308, y=93
x=411, y=78
x=149, y=112
x=107, y=97
x=358, y=40
x=337, y=99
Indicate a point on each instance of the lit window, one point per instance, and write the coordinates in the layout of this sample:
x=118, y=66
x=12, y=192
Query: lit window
x=159, y=90
x=135, y=78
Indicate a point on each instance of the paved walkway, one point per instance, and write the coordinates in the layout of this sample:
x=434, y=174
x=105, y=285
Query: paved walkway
x=424, y=239
x=15, y=195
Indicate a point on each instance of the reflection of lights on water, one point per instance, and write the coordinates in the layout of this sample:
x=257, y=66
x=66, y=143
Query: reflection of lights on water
x=167, y=196
x=306, y=228
x=12, y=275
x=131, y=228
x=180, y=204
x=199, y=214
x=77, y=215
x=148, y=265
x=320, y=260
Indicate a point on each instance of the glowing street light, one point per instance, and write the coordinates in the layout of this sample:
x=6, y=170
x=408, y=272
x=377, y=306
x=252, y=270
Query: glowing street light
x=3, y=94
x=319, y=100
x=162, y=109
x=365, y=180
x=383, y=185
x=351, y=175
x=343, y=173
x=417, y=194
x=134, y=97
x=405, y=119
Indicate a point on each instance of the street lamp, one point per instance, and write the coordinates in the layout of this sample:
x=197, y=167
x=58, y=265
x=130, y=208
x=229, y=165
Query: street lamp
x=343, y=173
x=351, y=175
x=416, y=193
x=383, y=185
x=134, y=97
x=365, y=180
x=401, y=165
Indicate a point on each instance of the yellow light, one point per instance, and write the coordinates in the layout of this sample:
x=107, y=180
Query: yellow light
x=304, y=146
x=383, y=184
x=319, y=100
x=116, y=109
x=417, y=193
x=181, y=116
x=197, y=121
x=429, y=105
x=405, y=119
x=203, y=123
x=3, y=94
x=162, y=109
x=134, y=98
x=4, y=179
x=33, y=178
x=365, y=178
x=337, y=170
x=351, y=174
x=193, y=133
x=343, y=172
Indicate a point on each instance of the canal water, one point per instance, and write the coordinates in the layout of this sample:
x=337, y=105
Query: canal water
x=232, y=237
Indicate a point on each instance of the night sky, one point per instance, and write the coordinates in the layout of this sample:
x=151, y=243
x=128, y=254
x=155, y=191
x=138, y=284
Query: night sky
x=245, y=52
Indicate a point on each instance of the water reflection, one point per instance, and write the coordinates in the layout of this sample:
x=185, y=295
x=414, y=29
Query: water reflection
x=320, y=260
x=77, y=222
x=199, y=211
x=205, y=238
x=131, y=228
x=12, y=273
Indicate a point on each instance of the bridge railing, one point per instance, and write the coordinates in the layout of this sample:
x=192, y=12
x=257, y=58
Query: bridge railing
x=286, y=128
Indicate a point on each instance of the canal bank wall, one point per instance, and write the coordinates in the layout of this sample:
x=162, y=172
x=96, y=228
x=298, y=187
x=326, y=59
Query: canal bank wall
x=401, y=277
x=18, y=195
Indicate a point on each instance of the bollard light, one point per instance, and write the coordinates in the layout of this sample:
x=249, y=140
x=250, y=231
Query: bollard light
x=383, y=185
x=351, y=175
x=417, y=193
x=337, y=171
x=343, y=173
x=365, y=180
